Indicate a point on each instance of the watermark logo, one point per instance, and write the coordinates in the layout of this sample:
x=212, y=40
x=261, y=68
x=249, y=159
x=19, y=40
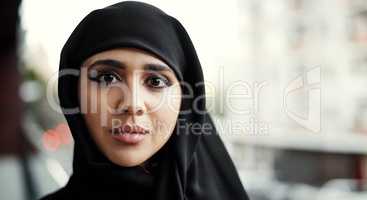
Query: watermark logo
x=310, y=83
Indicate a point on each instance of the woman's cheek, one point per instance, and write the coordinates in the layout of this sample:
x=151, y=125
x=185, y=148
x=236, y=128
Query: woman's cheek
x=154, y=100
x=174, y=99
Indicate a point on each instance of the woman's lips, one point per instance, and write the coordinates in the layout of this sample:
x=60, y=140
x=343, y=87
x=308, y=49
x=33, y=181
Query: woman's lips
x=129, y=134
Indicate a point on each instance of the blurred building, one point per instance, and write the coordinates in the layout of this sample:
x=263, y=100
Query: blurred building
x=311, y=54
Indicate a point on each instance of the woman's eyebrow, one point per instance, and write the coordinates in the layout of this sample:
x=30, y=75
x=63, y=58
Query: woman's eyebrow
x=122, y=65
x=156, y=67
x=109, y=62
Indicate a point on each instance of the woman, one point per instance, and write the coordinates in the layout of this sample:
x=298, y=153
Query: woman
x=137, y=111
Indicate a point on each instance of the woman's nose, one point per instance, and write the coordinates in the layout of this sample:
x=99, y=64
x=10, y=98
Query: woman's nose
x=134, y=110
x=133, y=103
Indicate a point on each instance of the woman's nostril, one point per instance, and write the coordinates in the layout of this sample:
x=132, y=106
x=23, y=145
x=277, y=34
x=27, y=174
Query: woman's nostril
x=122, y=111
x=131, y=110
x=139, y=111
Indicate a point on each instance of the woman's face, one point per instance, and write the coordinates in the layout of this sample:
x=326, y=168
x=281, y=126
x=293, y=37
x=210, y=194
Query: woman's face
x=130, y=101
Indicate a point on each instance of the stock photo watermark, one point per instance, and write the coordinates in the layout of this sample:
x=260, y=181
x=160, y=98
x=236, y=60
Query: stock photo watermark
x=308, y=82
x=95, y=100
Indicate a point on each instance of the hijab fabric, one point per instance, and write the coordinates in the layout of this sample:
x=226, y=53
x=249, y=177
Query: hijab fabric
x=191, y=165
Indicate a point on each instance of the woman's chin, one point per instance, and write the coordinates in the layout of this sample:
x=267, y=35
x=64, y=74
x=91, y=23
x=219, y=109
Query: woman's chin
x=128, y=159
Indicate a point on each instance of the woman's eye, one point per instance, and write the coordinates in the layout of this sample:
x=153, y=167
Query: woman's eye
x=106, y=78
x=157, y=82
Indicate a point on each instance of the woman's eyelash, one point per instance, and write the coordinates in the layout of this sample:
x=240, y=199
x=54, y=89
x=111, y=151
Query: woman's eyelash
x=157, y=81
x=154, y=81
x=104, y=77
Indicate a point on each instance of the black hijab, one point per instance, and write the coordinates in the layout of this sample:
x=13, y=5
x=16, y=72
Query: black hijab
x=194, y=163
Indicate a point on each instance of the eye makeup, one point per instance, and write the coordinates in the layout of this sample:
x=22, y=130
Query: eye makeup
x=104, y=76
x=157, y=81
x=107, y=76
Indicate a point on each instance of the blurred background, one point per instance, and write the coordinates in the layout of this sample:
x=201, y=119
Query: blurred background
x=285, y=85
